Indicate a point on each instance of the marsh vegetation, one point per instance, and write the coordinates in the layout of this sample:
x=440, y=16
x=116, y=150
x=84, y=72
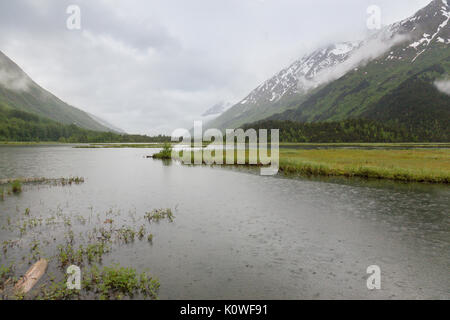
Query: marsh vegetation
x=165, y=153
x=85, y=242
x=13, y=186
x=428, y=165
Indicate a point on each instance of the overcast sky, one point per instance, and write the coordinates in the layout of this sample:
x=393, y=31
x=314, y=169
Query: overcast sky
x=150, y=66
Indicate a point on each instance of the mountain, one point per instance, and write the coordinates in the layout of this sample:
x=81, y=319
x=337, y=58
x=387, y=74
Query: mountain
x=18, y=91
x=286, y=87
x=397, y=86
x=383, y=72
x=217, y=109
x=105, y=123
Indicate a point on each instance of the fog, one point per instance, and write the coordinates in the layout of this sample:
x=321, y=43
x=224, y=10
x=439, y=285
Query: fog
x=443, y=86
x=366, y=52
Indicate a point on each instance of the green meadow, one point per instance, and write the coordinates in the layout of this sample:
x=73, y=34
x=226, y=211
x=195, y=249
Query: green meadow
x=425, y=164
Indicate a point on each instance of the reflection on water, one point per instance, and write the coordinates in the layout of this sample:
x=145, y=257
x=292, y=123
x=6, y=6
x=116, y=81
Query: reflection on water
x=239, y=235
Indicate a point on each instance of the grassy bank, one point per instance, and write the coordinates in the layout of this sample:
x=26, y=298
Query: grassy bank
x=413, y=165
x=419, y=165
x=120, y=145
x=130, y=145
x=30, y=143
x=407, y=145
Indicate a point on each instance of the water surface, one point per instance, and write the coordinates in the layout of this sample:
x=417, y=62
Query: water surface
x=238, y=235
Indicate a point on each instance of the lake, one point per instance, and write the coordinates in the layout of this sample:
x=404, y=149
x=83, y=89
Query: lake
x=239, y=235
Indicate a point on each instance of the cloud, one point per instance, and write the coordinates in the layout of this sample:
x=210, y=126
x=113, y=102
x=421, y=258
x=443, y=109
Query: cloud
x=368, y=51
x=13, y=82
x=443, y=86
x=10, y=78
x=153, y=66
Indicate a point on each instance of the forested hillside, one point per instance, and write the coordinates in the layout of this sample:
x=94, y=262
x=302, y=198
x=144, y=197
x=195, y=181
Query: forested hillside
x=17, y=125
x=352, y=130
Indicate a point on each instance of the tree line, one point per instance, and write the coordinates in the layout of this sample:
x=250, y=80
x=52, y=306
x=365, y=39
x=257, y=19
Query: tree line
x=351, y=130
x=17, y=125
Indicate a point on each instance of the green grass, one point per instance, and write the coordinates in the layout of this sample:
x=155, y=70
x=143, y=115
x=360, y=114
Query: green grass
x=119, y=146
x=130, y=145
x=115, y=282
x=85, y=249
x=42, y=180
x=159, y=214
x=30, y=143
x=409, y=165
x=165, y=153
x=368, y=144
x=6, y=272
x=16, y=186
x=419, y=165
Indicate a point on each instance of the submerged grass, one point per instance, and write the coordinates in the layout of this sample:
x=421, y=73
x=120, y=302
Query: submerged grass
x=115, y=282
x=41, y=180
x=118, y=146
x=16, y=186
x=85, y=249
x=128, y=145
x=6, y=274
x=159, y=214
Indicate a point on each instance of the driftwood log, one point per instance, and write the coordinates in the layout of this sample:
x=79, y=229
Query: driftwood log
x=29, y=280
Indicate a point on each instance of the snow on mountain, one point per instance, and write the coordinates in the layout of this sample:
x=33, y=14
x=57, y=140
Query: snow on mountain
x=402, y=41
x=286, y=82
x=428, y=26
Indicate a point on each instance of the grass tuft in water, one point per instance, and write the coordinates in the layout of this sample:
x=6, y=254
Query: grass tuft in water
x=115, y=282
x=16, y=186
x=159, y=214
x=165, y=153
x=6, y=276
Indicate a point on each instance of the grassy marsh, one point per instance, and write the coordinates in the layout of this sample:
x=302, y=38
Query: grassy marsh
x=369, y=145
x=42, y=180
x=85, y=249
x=14, y=185
x=408, y=165
x=416, y=165
x=86, y=240
x=159, y=214
x=165, y=153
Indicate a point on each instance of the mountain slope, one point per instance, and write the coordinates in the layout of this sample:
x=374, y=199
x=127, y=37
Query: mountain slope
x=19, y=91
x=217, y=109
x=397, y=86
x=416, y=104
x=353, y=85
x=285, y=88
